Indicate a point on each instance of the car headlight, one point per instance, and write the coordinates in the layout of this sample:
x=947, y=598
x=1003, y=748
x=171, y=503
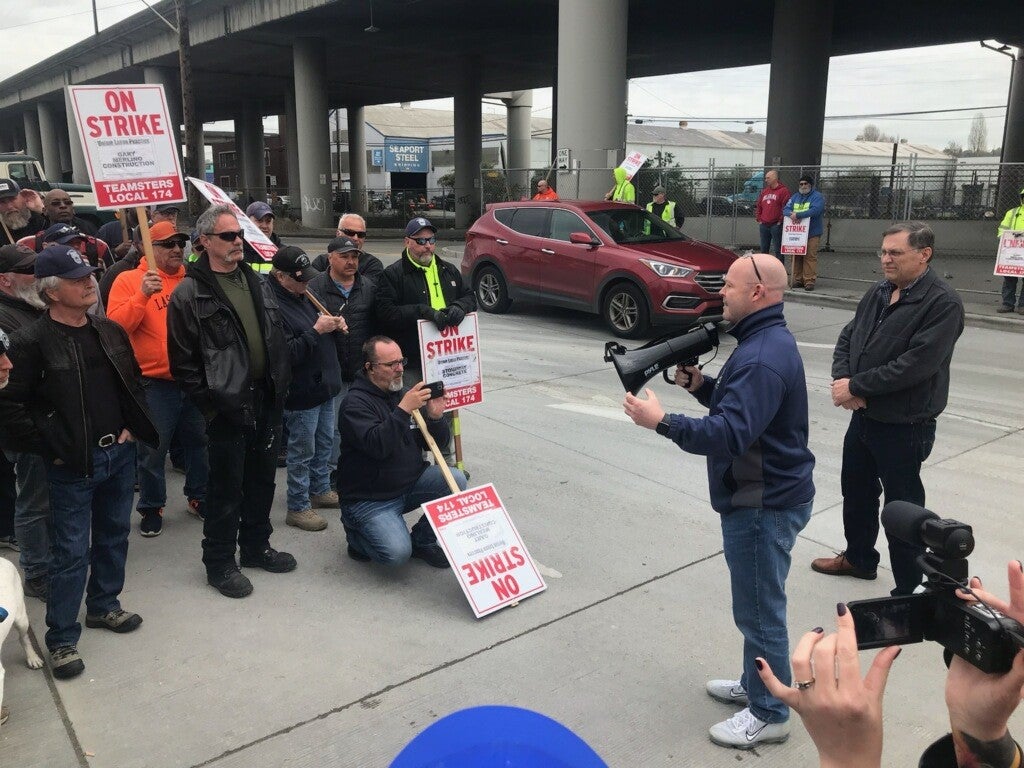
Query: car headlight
x=661, y=269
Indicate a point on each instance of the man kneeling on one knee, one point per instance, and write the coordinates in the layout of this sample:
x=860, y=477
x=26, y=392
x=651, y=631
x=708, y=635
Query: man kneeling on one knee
x=381, y=471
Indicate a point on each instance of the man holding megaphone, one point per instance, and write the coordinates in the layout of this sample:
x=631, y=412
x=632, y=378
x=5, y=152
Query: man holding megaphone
x=759, y=476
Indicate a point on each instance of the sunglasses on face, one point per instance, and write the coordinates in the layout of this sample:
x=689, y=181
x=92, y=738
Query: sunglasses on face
x=424, y=240
x=353, y=233
x=227, y=237
x=175, y=243
x=62, y=203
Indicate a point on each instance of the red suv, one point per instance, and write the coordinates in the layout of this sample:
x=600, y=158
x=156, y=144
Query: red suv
x=614, y=259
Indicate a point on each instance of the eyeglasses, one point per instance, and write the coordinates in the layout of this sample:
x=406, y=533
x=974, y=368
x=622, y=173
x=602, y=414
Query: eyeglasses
x=353, y=232
x=227, y=237
x=882, y=253
x=61, y=202
x=756, y=272
x=176, y=243
x=424, y=240
x=394, y=363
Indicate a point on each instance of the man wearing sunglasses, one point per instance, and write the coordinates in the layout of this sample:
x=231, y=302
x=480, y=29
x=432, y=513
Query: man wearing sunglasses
x=138, y=303
x=59, y=208
x=351, y=227
x=229, y=354
x=759, y=477
x=421, y=286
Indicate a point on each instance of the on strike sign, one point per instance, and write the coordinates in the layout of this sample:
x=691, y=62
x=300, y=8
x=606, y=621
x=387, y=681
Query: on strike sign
x=129, y=144
x=453, y=356
x=485, y=550
x=254, y=235
x=1010, y=257
x=794, y=237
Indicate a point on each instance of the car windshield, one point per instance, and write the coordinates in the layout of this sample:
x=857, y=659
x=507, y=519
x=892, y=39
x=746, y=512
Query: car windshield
x=634, y=225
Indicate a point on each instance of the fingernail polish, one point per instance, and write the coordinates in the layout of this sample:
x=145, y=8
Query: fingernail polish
x=841, y=609
x=818, y=630
x=759, y=664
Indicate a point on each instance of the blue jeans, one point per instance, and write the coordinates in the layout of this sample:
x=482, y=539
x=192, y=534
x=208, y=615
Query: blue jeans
x=91, y=518
x=32, y=514
x=877, y=457
x=376, y=528
x=757, y=545
x=173, y=415
x=1009, y=291
x=310, y=441
x=771, y=238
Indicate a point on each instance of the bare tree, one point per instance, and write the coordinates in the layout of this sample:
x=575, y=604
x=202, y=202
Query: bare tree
x=871, y=132
x=954, y=149
x=977, y=139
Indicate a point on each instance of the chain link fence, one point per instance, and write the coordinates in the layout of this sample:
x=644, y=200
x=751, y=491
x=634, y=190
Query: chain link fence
x=718, y=202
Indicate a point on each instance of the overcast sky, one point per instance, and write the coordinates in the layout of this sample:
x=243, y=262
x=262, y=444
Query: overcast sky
x=943, y=77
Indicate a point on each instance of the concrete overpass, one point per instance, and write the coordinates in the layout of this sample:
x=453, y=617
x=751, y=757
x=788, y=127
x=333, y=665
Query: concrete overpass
x=300, y=58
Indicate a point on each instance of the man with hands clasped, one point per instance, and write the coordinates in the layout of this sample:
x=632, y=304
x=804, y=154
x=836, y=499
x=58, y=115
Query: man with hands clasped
x=843, y=712
x=759, y=477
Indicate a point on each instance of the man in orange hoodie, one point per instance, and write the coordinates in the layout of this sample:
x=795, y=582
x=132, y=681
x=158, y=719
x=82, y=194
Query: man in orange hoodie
x=138, y=303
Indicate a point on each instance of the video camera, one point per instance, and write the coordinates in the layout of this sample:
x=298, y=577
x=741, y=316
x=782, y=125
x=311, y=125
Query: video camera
x=975, y=632
x=637, y=366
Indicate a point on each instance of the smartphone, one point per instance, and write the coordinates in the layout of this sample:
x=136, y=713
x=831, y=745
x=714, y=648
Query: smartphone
x=436, y=389
x=889, y=620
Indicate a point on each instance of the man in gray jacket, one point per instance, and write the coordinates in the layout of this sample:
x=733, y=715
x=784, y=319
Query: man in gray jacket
x=891, y=368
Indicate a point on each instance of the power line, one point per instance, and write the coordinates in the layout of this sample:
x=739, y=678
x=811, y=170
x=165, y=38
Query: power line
x=67, y=15
x=675, y=118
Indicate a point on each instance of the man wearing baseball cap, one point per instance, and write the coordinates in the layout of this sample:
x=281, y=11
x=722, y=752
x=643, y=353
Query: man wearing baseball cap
x=262, y=215
x=95, y=250
x=21, y=306
x=138, y=303
x=309, y=415
x=87, y=442
x=421, y=286
x=21, y=212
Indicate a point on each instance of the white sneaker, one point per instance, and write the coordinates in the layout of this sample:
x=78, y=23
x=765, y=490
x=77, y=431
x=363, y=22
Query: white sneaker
x=745, y=731
x=727, y=691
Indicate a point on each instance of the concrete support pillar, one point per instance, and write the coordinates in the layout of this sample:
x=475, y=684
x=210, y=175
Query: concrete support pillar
x=79, y=170
x=250, y=153
x=592, y=91
x=1011, y=180
x=468, y=139
x=33, y=144
x=170, y=79
x=518, y=118
x=5, y=140
x=49, y=141
x=64, y=143
x=801, y=46
x=357, y=157
x=291, y=138
x=314, y=139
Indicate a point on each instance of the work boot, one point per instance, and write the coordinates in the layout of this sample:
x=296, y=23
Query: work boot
x=327, y=499
x=116, y=621
x=840, y=566
x=65, y=662
x=306, y=520
x=229, y=581
x=269, y=559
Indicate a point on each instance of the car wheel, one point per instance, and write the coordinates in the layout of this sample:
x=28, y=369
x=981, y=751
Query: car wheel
x=624, y=311
x=491, y=291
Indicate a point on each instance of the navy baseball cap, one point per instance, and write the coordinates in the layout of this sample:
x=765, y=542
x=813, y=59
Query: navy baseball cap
x=258, y=210
x=293, y=261
x=61, y=261
x=62, y=233
x=415, y=225
x=8, y=188
x=5, y=342
x=343, y=245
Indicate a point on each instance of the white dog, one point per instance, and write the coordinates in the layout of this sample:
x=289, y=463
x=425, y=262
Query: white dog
x=12, y=600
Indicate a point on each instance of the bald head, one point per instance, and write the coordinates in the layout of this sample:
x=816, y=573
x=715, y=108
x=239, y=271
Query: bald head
x=58, y=206
x=752, y=283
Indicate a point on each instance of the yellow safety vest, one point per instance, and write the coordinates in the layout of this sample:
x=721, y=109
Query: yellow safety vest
x=669, y=215
x=1013, y=221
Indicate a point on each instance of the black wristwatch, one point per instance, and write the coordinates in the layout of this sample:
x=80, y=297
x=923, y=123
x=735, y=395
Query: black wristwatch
x=664, y=425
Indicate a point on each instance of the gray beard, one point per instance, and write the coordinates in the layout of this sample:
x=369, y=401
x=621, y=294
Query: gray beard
x=29, y=295
x=395, y=386
x=16, y=219
x=5, y=383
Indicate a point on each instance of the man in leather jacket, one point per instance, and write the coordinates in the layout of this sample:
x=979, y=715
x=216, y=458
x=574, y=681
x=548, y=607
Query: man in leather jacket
x=227, y=350
x=50, y=408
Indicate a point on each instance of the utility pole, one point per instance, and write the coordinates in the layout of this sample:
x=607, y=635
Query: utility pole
x=195, y=160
